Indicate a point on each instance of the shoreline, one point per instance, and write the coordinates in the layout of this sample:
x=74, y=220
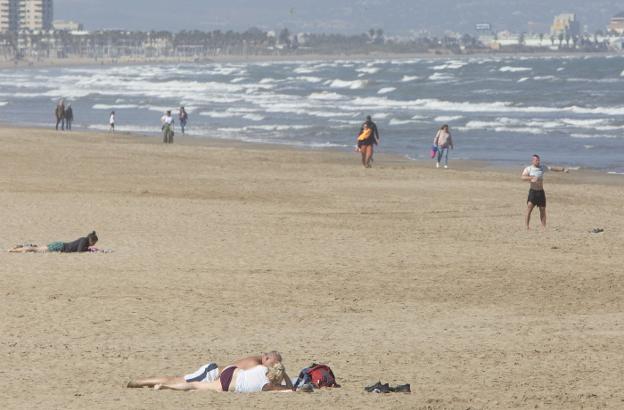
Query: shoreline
x=90, y=62
x=580, y=175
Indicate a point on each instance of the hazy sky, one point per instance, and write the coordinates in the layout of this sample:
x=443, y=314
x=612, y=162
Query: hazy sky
x=343, y=16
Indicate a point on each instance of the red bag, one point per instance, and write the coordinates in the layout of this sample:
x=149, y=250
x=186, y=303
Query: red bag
x=319, y=375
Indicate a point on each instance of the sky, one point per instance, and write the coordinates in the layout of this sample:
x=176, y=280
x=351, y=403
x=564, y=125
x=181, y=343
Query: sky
x=395, y=17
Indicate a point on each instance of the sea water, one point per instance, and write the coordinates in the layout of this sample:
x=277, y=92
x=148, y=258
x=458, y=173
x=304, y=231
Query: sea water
x=570, y=110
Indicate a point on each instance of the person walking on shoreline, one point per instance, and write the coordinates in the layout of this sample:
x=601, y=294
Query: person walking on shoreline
x=69, y=117
x=443, y=141
x=167, y=122
x=183, y=117
x=368, y=136
x=59, y=113
x=111, y=122
x=534, y=175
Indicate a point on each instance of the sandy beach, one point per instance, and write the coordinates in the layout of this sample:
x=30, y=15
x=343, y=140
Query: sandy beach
x=402, y=273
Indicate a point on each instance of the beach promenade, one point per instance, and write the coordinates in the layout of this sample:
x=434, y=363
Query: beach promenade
x=402, y=273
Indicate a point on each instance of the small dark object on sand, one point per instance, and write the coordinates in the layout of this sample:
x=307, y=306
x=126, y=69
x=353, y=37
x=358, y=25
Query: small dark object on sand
x=597, y=230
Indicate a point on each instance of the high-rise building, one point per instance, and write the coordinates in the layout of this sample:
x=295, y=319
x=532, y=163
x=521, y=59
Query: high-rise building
x=566, y=24
x=8, y=15
x=35, y=14
x=26, y=15
x=617, y=24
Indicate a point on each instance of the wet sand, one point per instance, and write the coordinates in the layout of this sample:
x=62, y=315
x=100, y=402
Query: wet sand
x=400, y=273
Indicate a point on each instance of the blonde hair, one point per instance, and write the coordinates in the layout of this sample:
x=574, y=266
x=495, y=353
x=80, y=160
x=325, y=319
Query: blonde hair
x=275, y=374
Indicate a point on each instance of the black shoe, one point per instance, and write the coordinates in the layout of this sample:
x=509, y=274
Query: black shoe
x=403, y=388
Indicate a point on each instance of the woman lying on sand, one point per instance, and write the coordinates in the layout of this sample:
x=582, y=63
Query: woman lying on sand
x=232, y=379
x=79, y=245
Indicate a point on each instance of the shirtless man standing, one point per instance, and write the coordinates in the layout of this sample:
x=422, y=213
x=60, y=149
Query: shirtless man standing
x=210, y=372
x=534, y=174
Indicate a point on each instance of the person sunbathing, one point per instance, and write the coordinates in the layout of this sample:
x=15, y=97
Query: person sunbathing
x=232, y=379
x=210, y=372
x=79, y=245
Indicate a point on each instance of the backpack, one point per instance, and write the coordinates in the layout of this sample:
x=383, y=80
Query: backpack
x=319, y=375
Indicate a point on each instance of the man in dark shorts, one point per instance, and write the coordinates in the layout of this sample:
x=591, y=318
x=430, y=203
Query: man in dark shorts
x=534, y=174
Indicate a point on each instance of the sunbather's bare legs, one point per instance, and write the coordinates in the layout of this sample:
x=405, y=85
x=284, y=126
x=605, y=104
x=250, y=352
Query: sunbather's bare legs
x=153, y=381
x=27, y=249
x=212, y=386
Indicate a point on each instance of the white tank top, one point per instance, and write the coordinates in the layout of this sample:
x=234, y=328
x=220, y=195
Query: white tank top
x=252, y=380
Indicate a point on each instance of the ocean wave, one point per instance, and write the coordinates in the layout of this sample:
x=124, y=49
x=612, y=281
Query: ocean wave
x=253, y=117
x=310, y=79
x=238, y=80
x=215, y=114
x=510, y=69
x=523, y=79
x=386, y=90
x=448, y=118
x=408, y=78
x=451, y=65
x=324, y=95
x=368, y=70
x=114, y=106
x=394, y=121
x=592, y=136
x=3, y=103
x=353, y=85
x=304, y=70
x=441, y=77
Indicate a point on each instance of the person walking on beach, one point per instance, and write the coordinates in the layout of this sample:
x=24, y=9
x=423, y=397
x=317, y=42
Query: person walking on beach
x=69, y=117
x=59, y=113
x=111, y=122
x=166, y=122
x=368, y=136
x=183, y=117
x=443, y=141
x=534, y=175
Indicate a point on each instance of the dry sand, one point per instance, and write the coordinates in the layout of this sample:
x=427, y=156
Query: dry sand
x=402, y=273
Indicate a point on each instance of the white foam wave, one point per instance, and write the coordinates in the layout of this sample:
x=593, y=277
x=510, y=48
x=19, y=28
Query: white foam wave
x=622, y=73
x=441, y=77
x=510, y=69
x=386, y=90
x=3, y=103
x=368, y=70
x=253, y=117
x=523, y=79
x=215, y=114
x=114, y=106
x=448, y=118
x=237, y=80
x=408, y=78
x=310, y=79
x=304, y=70
x=394, y=121
x=451, y=65
x=324, y=95
x=592, y=136
x=353, y=85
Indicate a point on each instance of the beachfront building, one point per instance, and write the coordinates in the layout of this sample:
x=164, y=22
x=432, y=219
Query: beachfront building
x=8, y=15
x=35, y=15
x=616, y=25
x=565, y=24
x=67, y=25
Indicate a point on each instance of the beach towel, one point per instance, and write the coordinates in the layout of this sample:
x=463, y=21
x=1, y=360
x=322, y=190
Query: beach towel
x=365, y=134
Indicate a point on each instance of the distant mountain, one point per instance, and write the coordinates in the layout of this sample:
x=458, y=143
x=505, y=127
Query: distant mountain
x=344, y=16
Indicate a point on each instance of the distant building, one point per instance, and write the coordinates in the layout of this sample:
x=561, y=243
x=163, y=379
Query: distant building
x=566, y=24
x=64, y=25
x=35, y=14
x=617, y=24
x=8, y=15
x=32, y=15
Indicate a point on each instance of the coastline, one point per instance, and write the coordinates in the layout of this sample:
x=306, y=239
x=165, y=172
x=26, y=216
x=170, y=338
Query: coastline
x=76, y=61
x=585, y=175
